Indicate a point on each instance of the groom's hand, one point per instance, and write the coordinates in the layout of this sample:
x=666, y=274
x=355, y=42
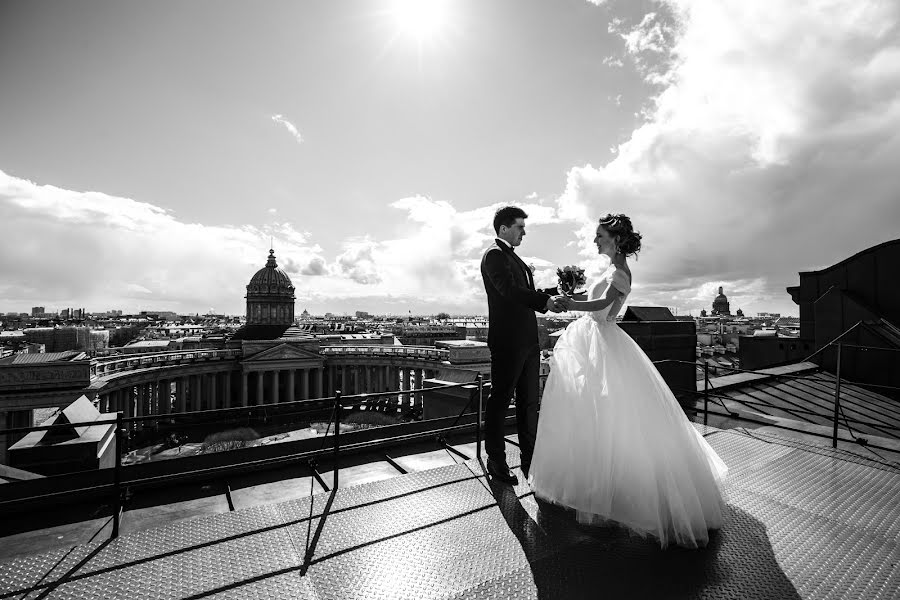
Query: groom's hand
x=552, y=304
x=564, y=302
x=557, y=303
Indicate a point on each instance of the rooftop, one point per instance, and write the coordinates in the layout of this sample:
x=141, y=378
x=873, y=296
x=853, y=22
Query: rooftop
x=44, y=357
x=798, y=525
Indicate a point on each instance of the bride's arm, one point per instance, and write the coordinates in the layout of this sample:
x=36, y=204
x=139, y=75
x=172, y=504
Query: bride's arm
x=612, y=294
x=556, y=292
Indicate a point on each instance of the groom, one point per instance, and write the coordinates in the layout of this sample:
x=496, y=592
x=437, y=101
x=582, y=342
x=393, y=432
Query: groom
x=513, y=341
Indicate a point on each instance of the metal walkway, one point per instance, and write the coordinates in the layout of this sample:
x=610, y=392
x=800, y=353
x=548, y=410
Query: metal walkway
x=803, y=521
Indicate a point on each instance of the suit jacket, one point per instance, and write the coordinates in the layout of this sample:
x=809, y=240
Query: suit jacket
x=512, y=299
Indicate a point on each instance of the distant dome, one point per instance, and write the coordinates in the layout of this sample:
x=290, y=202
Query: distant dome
x=270, y=296
x=720, y=304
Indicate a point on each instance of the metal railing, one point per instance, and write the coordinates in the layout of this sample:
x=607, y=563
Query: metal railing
x=339, y=403
x=838, y=413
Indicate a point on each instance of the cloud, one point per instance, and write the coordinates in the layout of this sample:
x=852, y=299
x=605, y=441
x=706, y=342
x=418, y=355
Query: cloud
x=292, y=129
x=434, y=261
x=137, y=288
x=613, y=61
x=62, y=247
x=357, y=262
x=315, y=267
x=769, y=148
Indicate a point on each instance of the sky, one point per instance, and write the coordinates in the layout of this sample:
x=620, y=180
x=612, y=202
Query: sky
x=152, y=152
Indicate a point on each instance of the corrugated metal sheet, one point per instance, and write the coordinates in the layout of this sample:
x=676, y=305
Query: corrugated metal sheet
x=26, y=359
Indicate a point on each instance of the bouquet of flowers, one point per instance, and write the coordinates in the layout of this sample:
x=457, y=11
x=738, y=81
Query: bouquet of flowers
x=571, y=278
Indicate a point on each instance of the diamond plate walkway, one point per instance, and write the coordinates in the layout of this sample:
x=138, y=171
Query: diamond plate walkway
x=803, y=521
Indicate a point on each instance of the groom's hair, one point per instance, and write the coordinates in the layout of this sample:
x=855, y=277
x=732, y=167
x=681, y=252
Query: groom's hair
x=507, y=216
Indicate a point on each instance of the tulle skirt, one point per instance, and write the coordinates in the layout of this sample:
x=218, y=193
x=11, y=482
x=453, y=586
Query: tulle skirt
x=614, y=445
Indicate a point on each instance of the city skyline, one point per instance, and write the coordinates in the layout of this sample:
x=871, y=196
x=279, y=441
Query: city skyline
x=152, y=156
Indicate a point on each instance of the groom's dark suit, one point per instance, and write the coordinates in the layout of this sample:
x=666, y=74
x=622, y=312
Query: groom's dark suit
x=515, y=353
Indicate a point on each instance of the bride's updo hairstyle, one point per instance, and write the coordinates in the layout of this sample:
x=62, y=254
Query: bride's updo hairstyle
x=620, y=225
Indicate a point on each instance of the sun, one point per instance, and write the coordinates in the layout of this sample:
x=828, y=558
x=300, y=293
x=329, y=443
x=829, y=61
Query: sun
x=421, y=19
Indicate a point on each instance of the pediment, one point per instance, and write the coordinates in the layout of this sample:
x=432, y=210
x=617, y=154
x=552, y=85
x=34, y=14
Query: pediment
x=283, y=352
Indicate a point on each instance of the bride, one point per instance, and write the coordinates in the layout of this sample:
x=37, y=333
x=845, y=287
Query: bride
x=612, y=443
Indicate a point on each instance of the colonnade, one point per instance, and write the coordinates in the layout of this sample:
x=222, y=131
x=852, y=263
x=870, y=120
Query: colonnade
x=226, y=389
x=374, y=379
x=208, y=391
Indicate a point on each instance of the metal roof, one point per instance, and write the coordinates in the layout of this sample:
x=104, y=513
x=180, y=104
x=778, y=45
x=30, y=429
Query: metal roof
x=46, y=357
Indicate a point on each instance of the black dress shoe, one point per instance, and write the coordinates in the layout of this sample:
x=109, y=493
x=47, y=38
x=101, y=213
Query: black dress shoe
x=525, y=468
x=501, y=473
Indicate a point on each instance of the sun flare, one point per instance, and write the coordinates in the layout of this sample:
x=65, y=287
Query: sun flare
x=422, y=19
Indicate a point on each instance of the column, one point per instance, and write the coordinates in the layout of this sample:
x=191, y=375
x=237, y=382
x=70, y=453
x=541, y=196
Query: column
x=129, y=402
x=320, y=380
x=345, y=380
x=304, y=384
x=394, y=380
x=370, y=380
x=138, y=400
x=245, y=389
x=164, y=397
x=378, y=386
x=260, y=387
x=226, y=393
x=404, y=387
x=181, y=394
x=417, y=398
x=193, y=396
x=147, y=401
x=213, y=401
x=274, y=394
x=290, y=385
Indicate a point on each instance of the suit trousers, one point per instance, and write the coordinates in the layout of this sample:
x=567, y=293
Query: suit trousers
x=513, y=370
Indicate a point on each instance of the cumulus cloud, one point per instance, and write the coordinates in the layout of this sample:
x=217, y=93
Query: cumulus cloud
x=63, y=247
x=435, y=261
x=357, y=262
x=314, y=267
x=291, y=128
x=95, y=250
x=770, y=148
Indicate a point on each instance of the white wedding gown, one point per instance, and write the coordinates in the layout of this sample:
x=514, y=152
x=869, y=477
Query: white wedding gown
x=612, y=441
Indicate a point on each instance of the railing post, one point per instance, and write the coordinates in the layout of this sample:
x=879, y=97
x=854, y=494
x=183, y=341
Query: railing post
x=480, y=380
x=837, y=396
x=337, y=433
x=705, y=392
x=117, y=476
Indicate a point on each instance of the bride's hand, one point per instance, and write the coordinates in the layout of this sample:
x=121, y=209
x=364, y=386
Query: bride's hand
x=563, y=302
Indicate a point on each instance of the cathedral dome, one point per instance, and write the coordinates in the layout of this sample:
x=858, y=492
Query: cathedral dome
x=270, y=296
x=271, y=280
x=720, y=304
